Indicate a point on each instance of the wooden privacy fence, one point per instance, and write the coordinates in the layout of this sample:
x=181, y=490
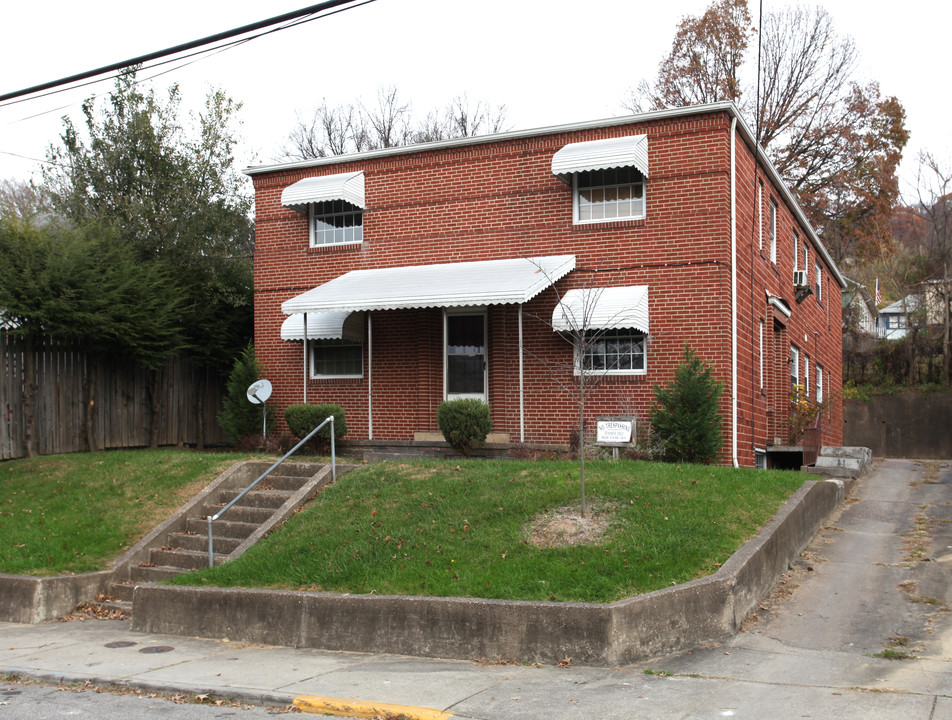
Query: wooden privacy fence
x=130, y=406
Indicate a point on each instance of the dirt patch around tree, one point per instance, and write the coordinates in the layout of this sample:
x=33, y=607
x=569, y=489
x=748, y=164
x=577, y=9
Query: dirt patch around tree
x=566, y=526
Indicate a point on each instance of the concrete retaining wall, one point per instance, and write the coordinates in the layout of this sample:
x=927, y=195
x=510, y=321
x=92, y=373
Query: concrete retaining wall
x=28, y=599
x=667, y=620
x=908, y=425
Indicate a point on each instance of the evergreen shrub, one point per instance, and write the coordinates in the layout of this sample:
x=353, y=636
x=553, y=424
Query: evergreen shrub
x=302, y=418
x=465, y=423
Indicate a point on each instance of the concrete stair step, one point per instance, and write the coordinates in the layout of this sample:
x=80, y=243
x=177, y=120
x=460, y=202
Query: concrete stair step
x=122, y=591
x=146, y=573
x=838, y=462
x=271, y=499
x=183, y=559
x=226, y=527
x=199, y=542
x=239, y=513
x=292, y=483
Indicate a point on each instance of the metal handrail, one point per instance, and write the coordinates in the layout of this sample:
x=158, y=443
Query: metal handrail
x=289, y=453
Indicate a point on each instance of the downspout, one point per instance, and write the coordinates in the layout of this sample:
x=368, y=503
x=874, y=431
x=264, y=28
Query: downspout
x=370, y=377
x=305, y=357
x=522, y=401
x=734, y=294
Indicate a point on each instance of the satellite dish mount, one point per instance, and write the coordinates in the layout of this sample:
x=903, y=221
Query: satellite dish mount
x=258, y=394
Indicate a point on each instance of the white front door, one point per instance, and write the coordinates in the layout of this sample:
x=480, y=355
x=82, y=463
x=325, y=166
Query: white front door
x=465, y=342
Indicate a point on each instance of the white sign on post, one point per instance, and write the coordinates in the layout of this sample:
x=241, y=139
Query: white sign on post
x=614, y=432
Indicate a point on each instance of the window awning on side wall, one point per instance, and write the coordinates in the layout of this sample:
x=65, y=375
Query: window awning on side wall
x=487, y=282
x=324, y=326
x=630, y=151
x=343, y=186
x=611, y=308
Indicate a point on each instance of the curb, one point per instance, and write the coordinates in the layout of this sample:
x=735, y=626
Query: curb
x=365, y=709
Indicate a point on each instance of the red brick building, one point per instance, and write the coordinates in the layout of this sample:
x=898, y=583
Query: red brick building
x=452, y=269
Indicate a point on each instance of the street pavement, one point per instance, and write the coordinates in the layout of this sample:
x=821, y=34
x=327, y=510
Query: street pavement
x=873, y=585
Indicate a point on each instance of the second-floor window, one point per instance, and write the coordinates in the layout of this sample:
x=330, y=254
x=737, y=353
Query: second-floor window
x=336, y=222
x=773, y=231
x=613, y=194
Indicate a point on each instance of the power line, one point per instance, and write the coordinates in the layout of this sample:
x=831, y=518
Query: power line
x=312, y=9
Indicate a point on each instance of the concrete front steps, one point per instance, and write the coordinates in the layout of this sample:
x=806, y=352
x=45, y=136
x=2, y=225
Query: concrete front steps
x=180, y=544
x=842, y=462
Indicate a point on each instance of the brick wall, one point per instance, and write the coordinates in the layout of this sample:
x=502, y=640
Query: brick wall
x=499, y=200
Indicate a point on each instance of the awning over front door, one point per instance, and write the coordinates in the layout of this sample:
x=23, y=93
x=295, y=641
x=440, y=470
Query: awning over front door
x=610, y=308
x=487, y=282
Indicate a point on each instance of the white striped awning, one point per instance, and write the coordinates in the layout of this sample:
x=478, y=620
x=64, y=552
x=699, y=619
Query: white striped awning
x=343, y=186
x=608, y=308
x=630, y=151
x=324, y=326
x=486, y=282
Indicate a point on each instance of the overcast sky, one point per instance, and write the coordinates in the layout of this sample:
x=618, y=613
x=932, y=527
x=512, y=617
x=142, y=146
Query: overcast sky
x=549, y=62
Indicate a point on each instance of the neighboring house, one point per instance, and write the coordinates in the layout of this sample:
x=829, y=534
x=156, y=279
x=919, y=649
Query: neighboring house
x=455, y=269
x=894, y=319
x=938, y=301
x=859, y=308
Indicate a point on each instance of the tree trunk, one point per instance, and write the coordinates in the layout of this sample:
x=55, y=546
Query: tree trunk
x=29, y=398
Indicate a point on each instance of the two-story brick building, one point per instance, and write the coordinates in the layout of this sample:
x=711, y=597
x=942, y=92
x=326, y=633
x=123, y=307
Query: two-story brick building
x=455, y=269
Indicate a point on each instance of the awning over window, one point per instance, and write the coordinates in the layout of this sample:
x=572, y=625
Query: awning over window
x=631, y=151
x=343, y=186
x=610, y=308
x=489, y=282
x=324, y=326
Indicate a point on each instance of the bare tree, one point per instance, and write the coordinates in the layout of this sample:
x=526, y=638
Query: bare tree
x=388, y=122
x=836, y=142
x=21, y=199
x=935, y=210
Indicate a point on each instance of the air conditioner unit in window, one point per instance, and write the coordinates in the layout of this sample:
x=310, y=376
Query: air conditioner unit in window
x=799, y=278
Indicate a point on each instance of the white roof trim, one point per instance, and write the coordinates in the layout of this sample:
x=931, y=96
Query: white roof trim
x=343, y=186
x=630, y=151
x=602, y=309
x=324, y=326
x=488, y=282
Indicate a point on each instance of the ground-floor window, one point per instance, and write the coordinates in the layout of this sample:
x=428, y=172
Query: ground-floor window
x=614, y=351
x=466, y=369
x=336, y=359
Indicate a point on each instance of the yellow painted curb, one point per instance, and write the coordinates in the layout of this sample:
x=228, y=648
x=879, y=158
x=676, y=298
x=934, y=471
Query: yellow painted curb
x=364, y=709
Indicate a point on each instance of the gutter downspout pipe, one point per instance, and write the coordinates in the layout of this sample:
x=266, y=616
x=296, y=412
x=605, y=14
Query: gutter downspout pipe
x=734, y=293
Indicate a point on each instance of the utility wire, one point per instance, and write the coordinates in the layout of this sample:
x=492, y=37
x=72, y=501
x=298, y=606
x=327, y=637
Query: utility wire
x=310, y=10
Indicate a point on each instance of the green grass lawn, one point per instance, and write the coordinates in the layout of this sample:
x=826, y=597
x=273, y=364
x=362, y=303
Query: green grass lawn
x=465, y=529
x=77, y=512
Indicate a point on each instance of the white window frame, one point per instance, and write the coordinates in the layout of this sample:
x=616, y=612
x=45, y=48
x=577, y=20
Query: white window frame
x=773, y=231
x=819, y=383
x=347, y=209
x=760, y=215
x=819, y=282
x=760, y=354
x=806, y=376
x=315, y=345
x=618, y=332
x=796, y=252
x=462, y=312
x=576, y=219
x=794, y=366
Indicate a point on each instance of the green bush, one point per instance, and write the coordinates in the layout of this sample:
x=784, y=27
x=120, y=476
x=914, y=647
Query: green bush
x=464, y=423
x=239, y=417
x=684, y=416
x=302, y=418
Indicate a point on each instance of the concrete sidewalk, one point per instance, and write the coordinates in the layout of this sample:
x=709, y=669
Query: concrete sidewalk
x=880, y=572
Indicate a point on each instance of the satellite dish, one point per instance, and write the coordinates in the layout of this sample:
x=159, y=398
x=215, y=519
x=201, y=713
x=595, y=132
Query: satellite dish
x=259, y=392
